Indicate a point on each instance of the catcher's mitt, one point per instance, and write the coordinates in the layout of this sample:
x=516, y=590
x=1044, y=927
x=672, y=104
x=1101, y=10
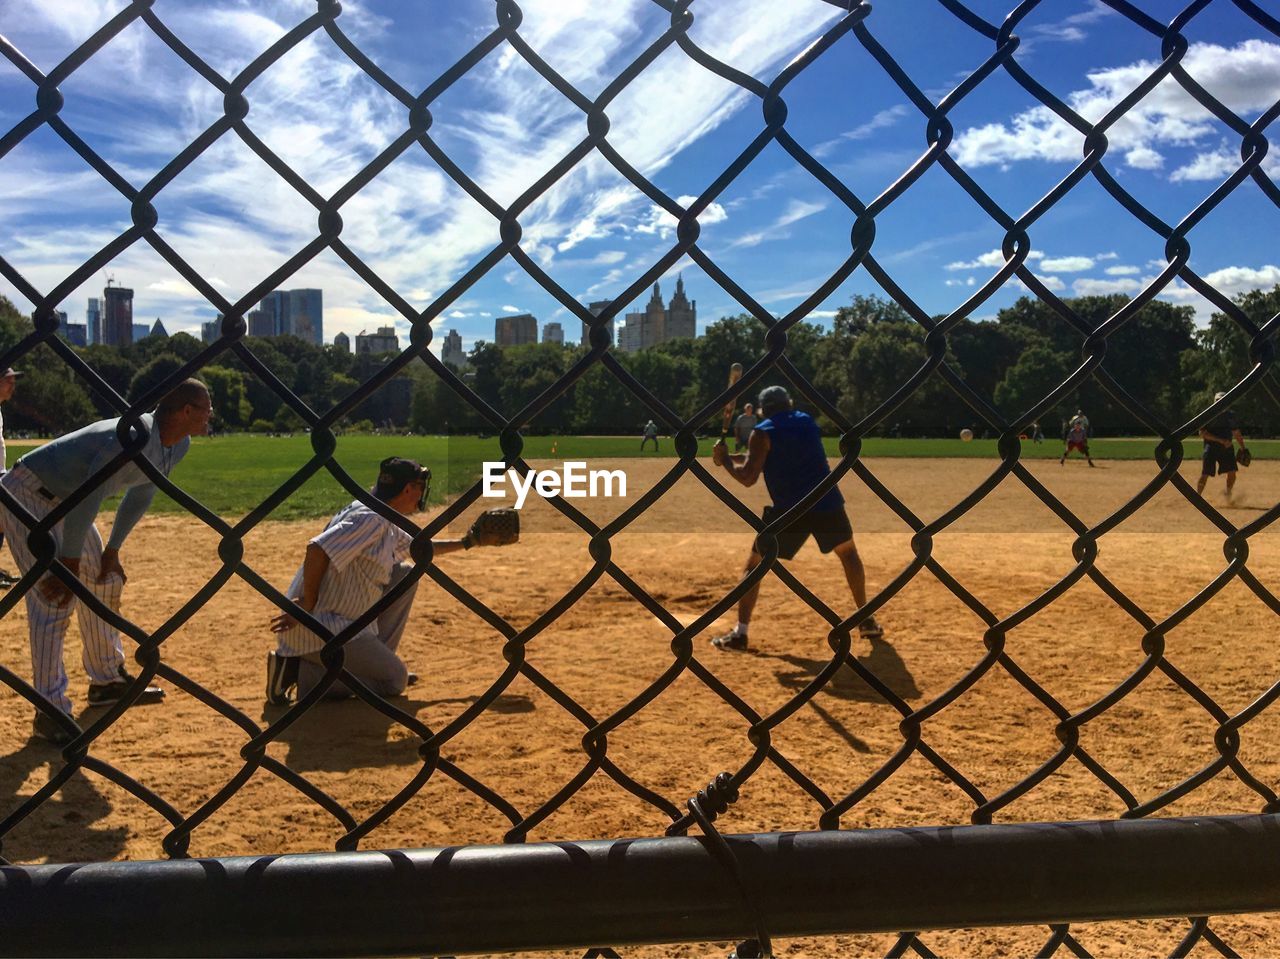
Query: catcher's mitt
x=494, y=527
x=1244, y=457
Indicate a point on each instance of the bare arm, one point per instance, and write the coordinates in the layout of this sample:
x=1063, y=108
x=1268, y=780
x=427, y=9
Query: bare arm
x=1239, y=438
x=745, y=469
x=441, y=546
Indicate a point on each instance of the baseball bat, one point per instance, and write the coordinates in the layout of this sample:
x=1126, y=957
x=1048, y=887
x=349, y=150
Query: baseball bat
x=735, y=374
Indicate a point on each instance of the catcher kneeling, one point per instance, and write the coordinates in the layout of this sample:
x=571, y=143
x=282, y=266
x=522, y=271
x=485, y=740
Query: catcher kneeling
x=355, y=562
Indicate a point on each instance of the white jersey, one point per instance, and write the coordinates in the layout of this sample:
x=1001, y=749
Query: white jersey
x=4, y=462
x=363, y=548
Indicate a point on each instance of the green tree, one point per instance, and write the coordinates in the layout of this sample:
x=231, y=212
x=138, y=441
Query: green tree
x=162, y=367
x=231, y=407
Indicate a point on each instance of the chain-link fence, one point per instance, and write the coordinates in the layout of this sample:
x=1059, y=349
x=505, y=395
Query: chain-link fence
x=744, y=874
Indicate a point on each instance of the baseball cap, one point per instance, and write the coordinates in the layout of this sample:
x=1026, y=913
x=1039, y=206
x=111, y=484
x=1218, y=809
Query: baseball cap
x=10, y=371
x=396, y=472
x=1219, y=396
x=773, y=398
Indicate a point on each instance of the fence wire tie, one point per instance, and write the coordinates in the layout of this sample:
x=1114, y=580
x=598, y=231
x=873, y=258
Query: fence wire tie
x=706, y=807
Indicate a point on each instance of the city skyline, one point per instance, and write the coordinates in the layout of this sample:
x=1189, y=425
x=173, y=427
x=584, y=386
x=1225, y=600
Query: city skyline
x=776, y=230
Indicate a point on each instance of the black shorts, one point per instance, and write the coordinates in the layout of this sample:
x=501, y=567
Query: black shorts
x=1218, y=459
x=830, y=528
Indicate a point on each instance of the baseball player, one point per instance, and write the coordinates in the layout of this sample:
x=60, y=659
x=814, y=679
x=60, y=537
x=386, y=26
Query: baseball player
x=358, y=558
x=1219, y=455
x=8, y=382
x=1076, y=438
x=742, y=428
x=786, y=449
x=650, y=433
x=39, y=481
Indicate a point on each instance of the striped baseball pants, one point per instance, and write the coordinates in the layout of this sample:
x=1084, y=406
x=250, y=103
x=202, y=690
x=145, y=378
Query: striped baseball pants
x=101, y=651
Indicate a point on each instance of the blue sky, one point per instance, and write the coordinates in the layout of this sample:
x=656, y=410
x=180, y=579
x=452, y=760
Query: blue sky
x=776, y=230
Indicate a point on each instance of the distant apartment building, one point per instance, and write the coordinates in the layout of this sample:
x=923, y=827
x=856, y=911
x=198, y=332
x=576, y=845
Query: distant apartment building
x=383, y=341
x=140, y=331
x=306, y=315
x=553, y=333
x=515, y=330
x=451, y=353
x=93, y=320
x=659, y=323
x=210, y=330
x=342, y=342
x=157, y=329
x=261, y=323
x=74, y=333
x=595, y=309
x=297, y=313
x=117, y=316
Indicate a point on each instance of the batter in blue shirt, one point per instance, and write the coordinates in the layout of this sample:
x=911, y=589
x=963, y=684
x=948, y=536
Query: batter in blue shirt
x=786, y=449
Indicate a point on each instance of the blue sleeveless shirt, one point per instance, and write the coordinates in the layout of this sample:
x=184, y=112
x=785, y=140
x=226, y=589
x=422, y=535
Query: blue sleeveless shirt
x=796, y=462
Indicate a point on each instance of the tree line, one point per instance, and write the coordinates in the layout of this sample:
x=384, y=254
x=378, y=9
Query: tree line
x=871, y=347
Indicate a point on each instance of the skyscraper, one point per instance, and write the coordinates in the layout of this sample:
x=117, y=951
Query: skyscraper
x=451, y=353
x=306, y=315
x=275, y=305
x=657, y=323
x=261, y=323
x=553, y=333
x=117, y=315
x=342, y=342
x=595, y=309
x=93, y=320
x=210, y=330
x=515, y=330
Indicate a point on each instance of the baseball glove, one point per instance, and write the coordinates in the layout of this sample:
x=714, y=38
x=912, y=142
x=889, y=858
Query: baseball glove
x=494, y=527
x=1244, y=457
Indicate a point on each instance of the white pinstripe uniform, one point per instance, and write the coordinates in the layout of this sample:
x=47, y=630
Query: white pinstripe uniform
x=368, y=555
x=102, y=652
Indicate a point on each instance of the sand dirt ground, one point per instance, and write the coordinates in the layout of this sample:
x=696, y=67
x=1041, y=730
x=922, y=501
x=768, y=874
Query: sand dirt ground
x=605, y=651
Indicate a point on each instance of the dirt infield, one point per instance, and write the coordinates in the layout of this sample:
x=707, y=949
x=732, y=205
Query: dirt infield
x=687, y=552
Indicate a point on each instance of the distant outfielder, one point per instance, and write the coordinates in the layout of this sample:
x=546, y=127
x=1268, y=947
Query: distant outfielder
x=40, y=481
x=358, y=559
x=1076, y=438
x=786, y=448
x=1219, y=457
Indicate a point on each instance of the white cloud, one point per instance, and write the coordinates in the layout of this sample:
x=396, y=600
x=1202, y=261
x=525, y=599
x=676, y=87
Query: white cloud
x=796, y=210
x=1053, y=283
x=458, y=315
x=1090, y=287
x=882, y=120
x=992, y=258
x=967, y=281
x=663, y=224
x=1218, y=165
x=1067, y=264
x=1122, y=271
x=234, y=217
x=508, y=308
x=1144, y=158
x=1245, y=77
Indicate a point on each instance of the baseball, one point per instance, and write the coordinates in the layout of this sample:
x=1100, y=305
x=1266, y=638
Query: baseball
x=966, y=434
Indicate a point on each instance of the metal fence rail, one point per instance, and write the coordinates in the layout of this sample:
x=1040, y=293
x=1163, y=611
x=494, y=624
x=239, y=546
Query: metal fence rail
x=574, y=895
x=47, y=891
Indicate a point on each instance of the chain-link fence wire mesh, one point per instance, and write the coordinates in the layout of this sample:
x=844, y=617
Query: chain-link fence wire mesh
x=858, y=21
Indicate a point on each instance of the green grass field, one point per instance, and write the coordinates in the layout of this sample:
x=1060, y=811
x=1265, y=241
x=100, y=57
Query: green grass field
x=232, y=474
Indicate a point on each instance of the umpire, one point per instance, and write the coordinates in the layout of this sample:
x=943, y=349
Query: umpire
x=1219, y=456
x=786, y=449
